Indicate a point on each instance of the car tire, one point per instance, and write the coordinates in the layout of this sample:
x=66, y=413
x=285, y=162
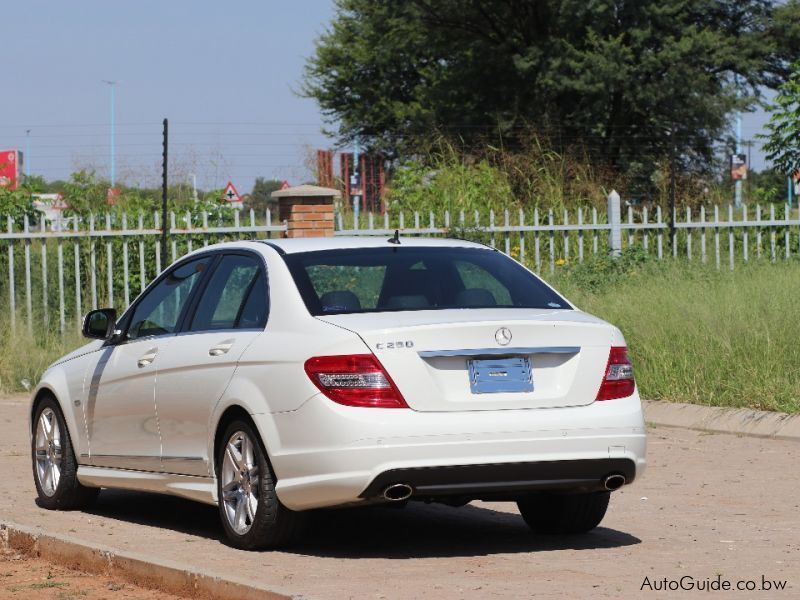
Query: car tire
x=267, y=523
x=55, y=469
x=564, y=513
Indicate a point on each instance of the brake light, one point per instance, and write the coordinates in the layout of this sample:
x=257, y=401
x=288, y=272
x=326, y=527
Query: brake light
x=618, y=381
x=354, y=380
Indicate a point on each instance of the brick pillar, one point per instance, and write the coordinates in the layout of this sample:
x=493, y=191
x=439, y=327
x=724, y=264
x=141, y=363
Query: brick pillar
x=307, y=210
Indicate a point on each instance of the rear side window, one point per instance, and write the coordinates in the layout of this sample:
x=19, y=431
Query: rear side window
x=235, y=297
x=415, y=278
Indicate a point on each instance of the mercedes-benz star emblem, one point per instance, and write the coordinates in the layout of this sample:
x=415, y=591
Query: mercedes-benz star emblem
x=503, y=336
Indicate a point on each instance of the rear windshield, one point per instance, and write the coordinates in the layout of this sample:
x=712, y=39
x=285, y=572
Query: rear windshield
x=415, y=278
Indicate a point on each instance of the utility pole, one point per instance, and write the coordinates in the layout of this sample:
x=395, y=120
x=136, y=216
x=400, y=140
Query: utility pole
x=672, y=153
x=164, y=224
x=113, y=86
x=28, y=153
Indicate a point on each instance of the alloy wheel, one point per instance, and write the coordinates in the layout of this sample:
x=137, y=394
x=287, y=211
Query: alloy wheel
x=48, y=452
x=240, y=482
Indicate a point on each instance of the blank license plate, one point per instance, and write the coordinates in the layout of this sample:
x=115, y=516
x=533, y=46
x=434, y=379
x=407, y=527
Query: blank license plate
x=500, y=375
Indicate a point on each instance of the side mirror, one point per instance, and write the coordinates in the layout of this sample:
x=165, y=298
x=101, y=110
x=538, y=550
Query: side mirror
x=99, y=324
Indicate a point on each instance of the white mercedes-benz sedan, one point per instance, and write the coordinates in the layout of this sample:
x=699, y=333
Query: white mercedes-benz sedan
x=274, y=377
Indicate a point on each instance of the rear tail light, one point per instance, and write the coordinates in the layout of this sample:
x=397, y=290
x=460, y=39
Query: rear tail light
x=618, y=381
x=354, y=380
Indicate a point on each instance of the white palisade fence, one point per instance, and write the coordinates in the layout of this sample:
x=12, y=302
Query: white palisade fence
x=56, y=271
x=543, y=239
x=51, y=274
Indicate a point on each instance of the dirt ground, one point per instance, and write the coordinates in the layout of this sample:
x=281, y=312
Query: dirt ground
x=35, y=579
x=710, y=506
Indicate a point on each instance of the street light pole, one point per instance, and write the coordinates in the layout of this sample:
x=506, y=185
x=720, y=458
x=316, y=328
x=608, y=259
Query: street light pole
x=738, y=184
x=738, y=196
x=113, y=85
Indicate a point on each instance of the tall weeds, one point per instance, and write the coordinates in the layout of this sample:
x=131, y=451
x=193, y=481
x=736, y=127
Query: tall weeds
x=698, y=335
x=447, y=176
x=444, y=174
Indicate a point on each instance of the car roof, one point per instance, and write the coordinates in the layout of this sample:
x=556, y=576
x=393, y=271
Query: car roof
x=292, y=245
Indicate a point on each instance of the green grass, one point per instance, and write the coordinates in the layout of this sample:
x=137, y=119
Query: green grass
x=45, y=585
x=695, y=334
x=698, y=335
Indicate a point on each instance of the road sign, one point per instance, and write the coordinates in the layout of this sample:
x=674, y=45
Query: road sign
x=230, y=194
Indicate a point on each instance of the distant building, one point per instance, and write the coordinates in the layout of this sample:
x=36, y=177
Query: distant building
x=51, y=207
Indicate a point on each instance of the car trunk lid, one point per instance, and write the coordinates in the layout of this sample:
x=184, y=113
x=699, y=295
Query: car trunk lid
x=476, y=359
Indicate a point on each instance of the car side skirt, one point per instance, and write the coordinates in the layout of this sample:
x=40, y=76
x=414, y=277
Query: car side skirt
x=199, y=489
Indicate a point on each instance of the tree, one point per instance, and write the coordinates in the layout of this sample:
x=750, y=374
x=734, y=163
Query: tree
x=612, y=75
x=17, y=203
x=260, y=199
x=34, y=183
x=783, y=138
x=85, y=193
x=765, y=186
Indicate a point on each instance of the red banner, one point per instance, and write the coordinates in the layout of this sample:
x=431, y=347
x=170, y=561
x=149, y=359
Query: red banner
x=9, y=169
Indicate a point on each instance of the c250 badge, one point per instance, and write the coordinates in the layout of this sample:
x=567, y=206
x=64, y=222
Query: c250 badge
x=394, y=345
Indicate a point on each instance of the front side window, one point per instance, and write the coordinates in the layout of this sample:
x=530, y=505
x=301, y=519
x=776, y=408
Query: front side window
x=415, y=278
x=157, y=313
x=235, y=297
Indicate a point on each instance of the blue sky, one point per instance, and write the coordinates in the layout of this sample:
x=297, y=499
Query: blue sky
x=224, y=73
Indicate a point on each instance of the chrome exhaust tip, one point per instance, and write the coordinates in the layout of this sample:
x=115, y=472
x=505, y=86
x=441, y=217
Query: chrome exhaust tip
x=613, y=482
x=397, y=492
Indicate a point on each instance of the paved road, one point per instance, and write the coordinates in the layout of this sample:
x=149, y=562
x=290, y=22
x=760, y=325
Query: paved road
x=709, y=505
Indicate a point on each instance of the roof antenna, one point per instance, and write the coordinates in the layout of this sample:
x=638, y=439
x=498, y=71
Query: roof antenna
x=396, y=238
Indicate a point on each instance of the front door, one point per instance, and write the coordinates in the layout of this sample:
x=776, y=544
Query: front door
x=198, y=364
x=122, y=421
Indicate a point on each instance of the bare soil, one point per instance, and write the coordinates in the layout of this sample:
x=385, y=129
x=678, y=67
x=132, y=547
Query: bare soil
x=36, y=579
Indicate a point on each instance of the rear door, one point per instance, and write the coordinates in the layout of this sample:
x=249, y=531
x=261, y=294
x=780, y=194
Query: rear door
x=198, y=364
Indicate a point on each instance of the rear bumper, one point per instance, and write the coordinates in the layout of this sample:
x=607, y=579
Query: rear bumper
x=325, y=454
x=503, y=481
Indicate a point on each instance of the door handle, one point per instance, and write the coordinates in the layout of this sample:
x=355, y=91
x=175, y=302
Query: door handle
x=147, y=358
x=221, y=348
